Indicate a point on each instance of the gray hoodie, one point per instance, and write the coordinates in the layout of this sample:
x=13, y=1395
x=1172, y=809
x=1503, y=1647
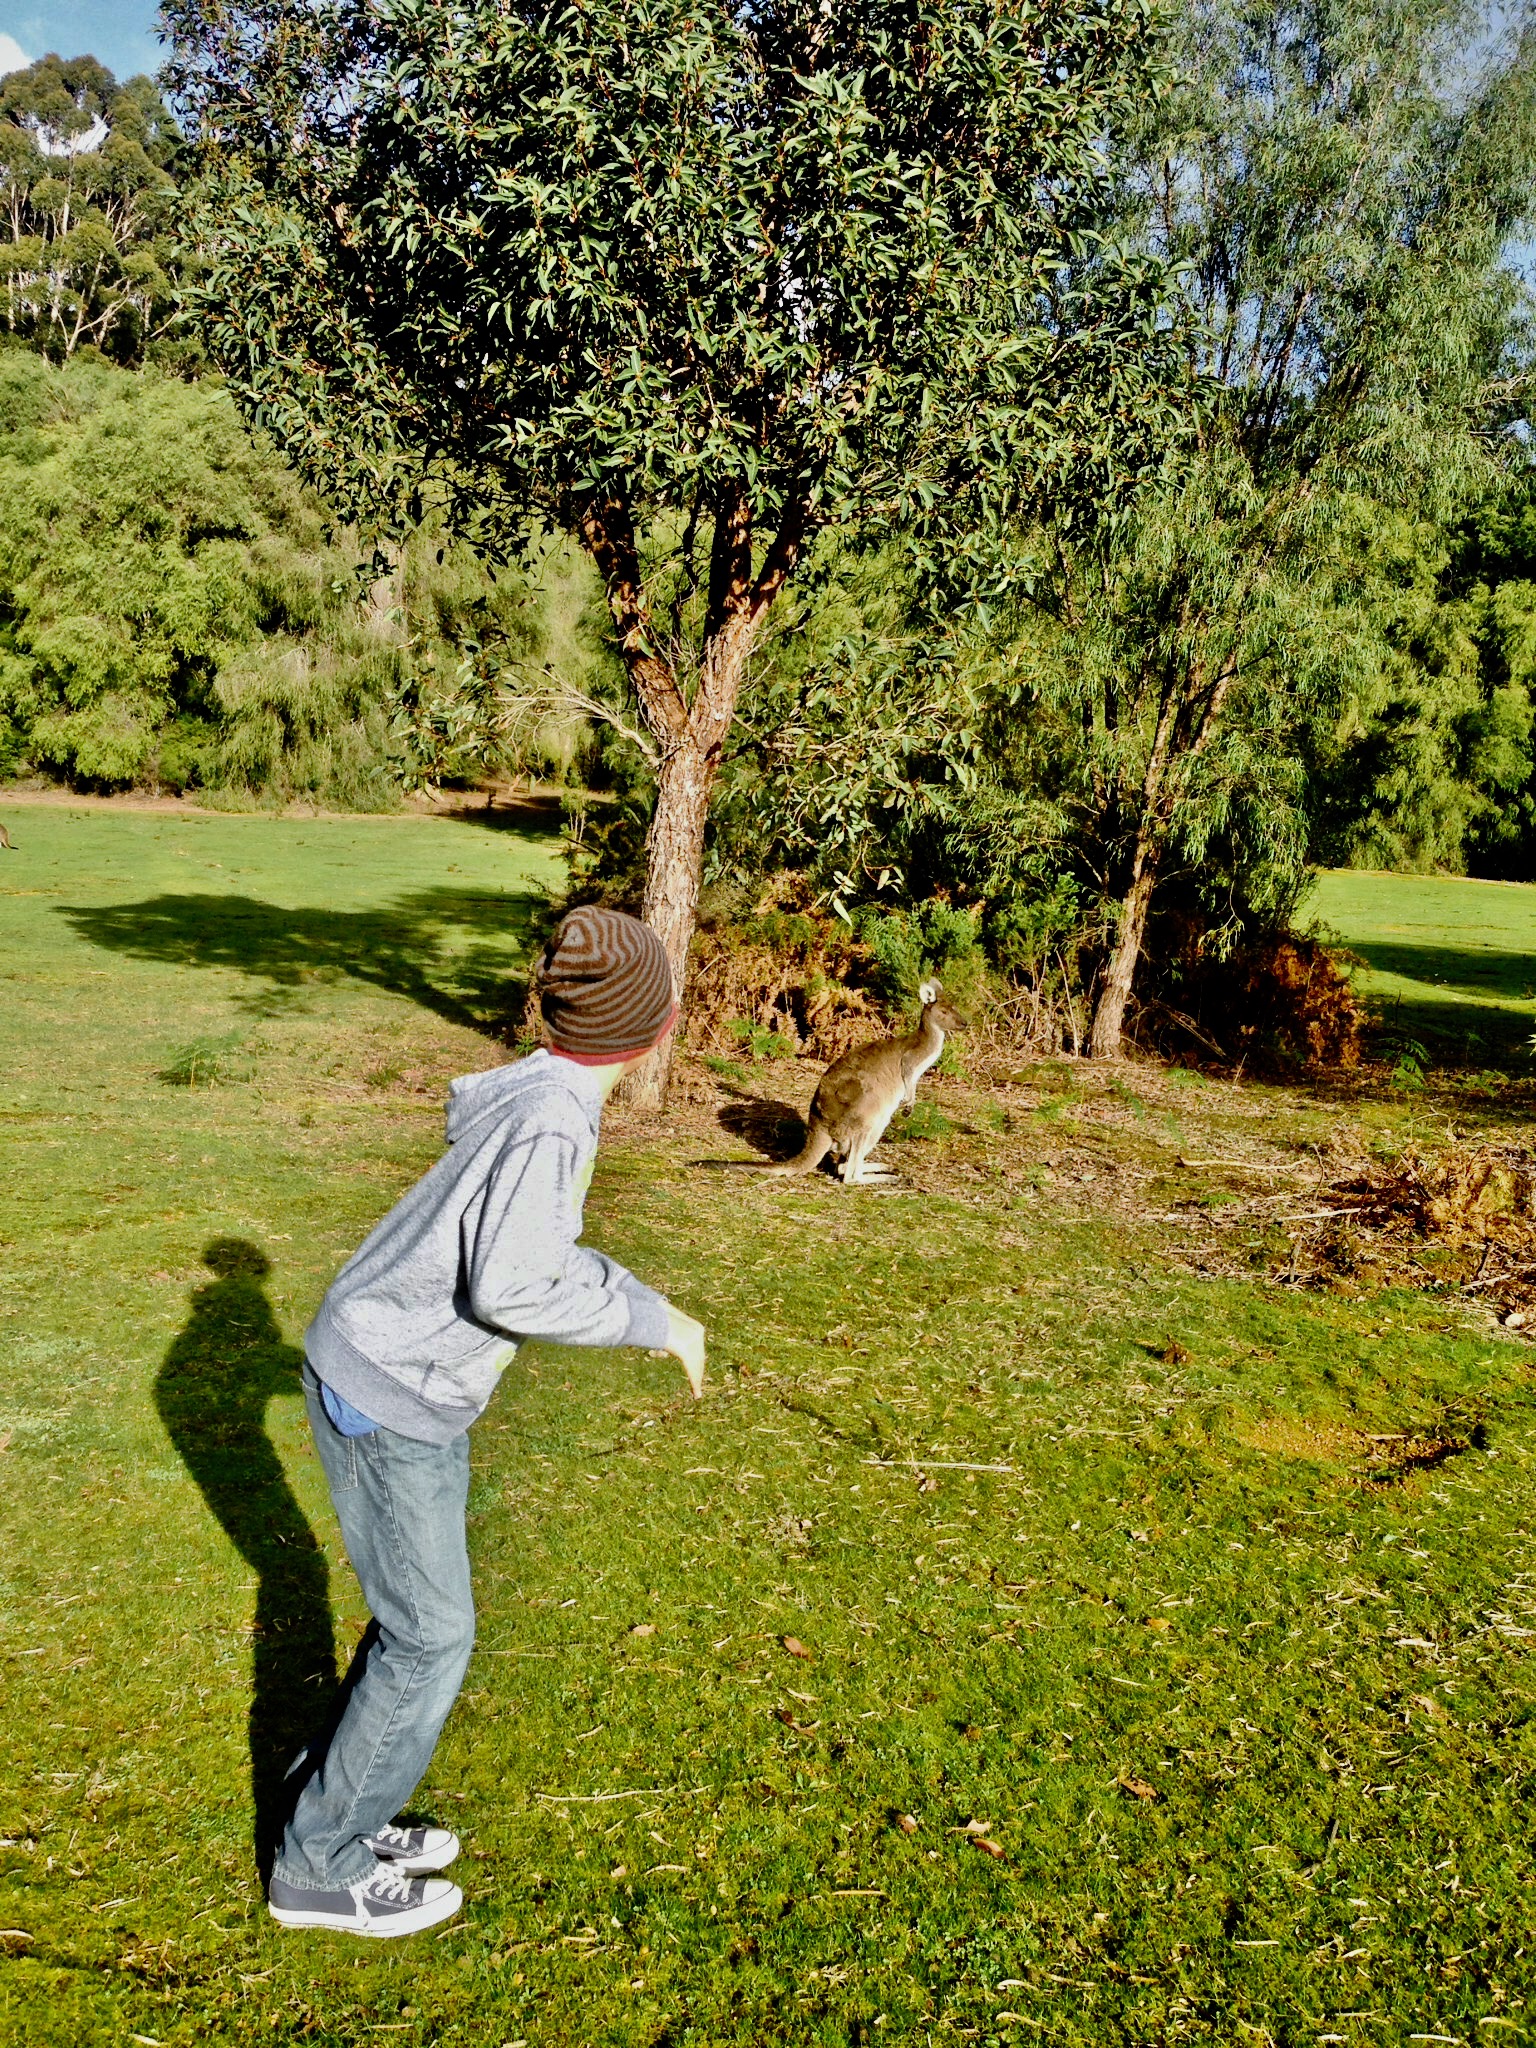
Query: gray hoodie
x=482, y=1252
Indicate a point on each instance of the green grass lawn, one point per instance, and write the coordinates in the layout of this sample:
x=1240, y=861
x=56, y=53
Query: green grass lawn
x=1449, y=962
x=1085, y=1532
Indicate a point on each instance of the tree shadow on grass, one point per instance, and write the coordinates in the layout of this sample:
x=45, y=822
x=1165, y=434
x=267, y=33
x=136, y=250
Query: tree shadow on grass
x=458, y=952
x=1469, y=1006
x=212, y=1394
x=1496, y=973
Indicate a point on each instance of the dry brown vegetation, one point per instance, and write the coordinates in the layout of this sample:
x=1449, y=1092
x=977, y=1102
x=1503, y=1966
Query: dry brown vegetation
x=1463, y=1219
x=1280, y=1003
x=795, y=976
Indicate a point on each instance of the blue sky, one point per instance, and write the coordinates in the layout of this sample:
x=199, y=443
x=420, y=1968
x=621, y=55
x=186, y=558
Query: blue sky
x=119, y=32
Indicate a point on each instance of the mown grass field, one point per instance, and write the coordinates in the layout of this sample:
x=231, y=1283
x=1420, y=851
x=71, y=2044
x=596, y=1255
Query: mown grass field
x=1448, y=962
x=1239, y=1683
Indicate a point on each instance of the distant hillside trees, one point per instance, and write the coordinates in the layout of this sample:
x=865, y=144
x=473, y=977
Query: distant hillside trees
x=88, y=192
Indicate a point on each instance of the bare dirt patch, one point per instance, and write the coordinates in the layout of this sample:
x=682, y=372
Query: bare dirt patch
x=1375, y=1460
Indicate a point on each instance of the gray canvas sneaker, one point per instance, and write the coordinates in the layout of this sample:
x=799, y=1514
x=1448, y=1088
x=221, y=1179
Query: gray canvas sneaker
x=413, y=1852
x=383, y=1904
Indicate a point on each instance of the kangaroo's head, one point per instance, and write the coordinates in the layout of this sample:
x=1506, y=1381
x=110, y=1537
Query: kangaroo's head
x=938, y=1010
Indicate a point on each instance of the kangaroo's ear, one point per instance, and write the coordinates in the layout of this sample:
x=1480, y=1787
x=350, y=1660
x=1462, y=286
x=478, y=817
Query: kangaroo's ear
x=928, y=992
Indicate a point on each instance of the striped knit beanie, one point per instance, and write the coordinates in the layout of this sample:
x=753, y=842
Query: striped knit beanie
x=605, y=987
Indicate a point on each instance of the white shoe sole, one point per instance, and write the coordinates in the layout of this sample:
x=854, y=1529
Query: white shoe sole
x=384, y=1928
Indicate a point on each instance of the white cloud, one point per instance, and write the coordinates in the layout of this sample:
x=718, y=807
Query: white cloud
x=12, y=56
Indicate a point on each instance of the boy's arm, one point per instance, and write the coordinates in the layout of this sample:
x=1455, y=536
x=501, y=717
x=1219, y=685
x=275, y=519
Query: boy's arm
x=525, y=1271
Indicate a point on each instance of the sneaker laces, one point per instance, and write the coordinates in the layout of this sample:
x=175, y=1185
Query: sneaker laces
x=398, y=1838
x=385, y=1885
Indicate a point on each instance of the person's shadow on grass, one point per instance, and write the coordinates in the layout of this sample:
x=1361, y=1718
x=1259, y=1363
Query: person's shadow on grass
x=212, y=1394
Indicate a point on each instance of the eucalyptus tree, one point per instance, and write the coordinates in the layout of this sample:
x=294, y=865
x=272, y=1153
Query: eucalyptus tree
x=695, y=281
x=87, y=196
x=1341, y=180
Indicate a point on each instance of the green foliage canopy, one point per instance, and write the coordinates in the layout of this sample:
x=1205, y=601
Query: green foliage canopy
x=665, y=256
x=1339, y=185
x=1431, y=762
x=160, y=573
x=692, y=282
x=176, y=611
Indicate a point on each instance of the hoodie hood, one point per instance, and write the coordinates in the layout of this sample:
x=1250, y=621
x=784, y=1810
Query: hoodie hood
x=473, y=1097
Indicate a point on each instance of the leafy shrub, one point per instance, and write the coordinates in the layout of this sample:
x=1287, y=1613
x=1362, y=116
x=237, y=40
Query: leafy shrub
x=1409, y=1059
x=781, y=973
x=923, y=1121
x=1029, y=933
x=762, y=1044
x=209, y=1062
x=931, y=940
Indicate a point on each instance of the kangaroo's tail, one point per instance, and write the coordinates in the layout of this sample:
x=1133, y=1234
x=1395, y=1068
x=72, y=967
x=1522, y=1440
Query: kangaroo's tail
x=818, y=1143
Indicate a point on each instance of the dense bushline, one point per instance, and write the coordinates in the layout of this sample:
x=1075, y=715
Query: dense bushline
x=1431, y=764
x=695, y=286
x=177, y=613
x=1301, y=631
x=1306, y=633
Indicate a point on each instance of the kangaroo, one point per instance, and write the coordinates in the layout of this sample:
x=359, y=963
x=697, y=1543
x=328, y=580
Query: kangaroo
x=859, y=1094
x=5, y=840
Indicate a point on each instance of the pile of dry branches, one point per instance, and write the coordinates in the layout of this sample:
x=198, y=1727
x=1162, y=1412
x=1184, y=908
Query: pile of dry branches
x=1464, y=1219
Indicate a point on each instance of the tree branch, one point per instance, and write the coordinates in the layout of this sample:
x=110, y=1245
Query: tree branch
x=730, y=563
x=609, y=538
x=779, y=563
x=558, y=696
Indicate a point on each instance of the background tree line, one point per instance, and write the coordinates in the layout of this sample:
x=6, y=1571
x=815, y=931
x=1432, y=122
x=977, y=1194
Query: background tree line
x=1175, y=535
x=177, y=613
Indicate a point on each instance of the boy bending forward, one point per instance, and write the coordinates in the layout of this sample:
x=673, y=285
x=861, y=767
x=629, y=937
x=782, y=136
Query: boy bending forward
x=404, y=1355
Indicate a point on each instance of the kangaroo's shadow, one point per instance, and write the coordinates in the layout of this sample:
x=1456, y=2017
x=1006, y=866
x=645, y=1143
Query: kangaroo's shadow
x=212, y=1394
x=772, y=1127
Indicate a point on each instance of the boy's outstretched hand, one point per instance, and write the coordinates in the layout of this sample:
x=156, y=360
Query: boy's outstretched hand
x=685, y=1343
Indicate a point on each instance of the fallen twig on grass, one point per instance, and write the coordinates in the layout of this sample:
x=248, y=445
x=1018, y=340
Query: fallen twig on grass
x=597, y=1798
x=933, y=1465
x=1248, y=1165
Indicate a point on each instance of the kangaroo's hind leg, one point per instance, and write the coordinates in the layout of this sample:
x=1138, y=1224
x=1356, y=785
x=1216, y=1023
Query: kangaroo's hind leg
x=861, y=1170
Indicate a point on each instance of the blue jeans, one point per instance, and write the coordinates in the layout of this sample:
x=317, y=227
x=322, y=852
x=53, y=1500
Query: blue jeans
x=401, y=1506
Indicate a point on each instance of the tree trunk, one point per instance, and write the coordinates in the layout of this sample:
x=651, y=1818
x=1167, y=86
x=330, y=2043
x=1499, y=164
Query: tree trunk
x=1151, y=831
x=1109, y=1012
x=674, y=862
x=690, y=736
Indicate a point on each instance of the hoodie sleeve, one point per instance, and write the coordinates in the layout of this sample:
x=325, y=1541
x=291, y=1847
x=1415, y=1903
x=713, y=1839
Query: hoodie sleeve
x=527, y=1274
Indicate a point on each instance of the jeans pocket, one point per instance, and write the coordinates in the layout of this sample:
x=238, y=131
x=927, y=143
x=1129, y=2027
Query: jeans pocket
x=343, y=1471
x=338, y=1453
